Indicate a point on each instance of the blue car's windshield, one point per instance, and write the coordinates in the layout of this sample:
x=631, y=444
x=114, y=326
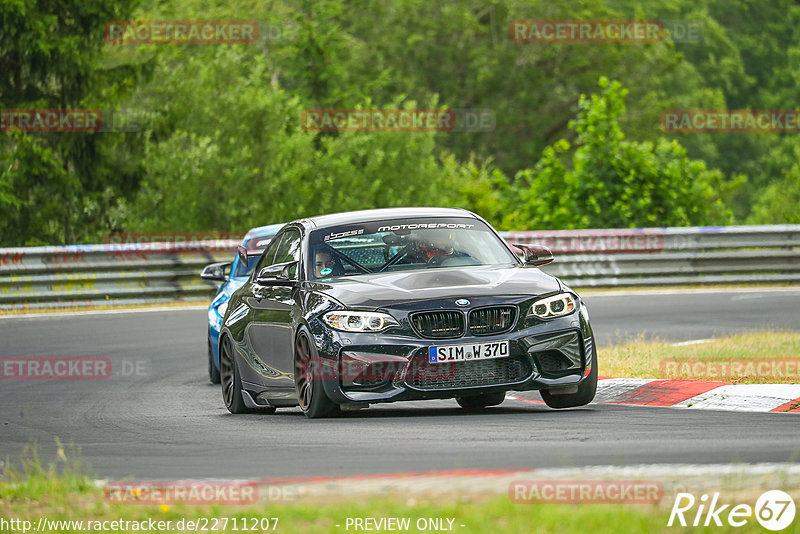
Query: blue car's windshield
x=254, y=246
x=243, y=270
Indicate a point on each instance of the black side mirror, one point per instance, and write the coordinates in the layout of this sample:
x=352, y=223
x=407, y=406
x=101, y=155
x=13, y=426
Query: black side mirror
x=276, y=275
x=215, y=271
x=536, y=255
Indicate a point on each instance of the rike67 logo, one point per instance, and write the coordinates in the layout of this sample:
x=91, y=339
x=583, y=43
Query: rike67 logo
x=774, y=510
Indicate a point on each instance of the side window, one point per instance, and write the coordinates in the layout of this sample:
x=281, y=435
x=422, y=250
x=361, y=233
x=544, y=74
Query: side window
x=268, y=257
x=289, y=250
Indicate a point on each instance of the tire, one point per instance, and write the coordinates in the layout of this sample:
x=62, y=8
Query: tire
x=230, y=379
x=232, y=382
x=311, y=395
x=584, y=395
x=213, y=372
x=477, y=402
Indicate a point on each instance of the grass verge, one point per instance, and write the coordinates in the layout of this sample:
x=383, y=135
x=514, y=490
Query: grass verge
x=77, y=505
x=65, y=495
x=759, y=357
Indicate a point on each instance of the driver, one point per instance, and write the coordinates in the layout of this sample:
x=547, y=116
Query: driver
x=432, y=244
x=325, y=264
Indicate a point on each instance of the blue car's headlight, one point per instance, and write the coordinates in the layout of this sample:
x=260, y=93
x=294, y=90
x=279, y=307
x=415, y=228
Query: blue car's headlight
x=222, y=308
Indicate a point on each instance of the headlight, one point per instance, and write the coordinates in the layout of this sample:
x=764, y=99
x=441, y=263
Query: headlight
x=222, y=308
x=351, y=321
x=555, y=306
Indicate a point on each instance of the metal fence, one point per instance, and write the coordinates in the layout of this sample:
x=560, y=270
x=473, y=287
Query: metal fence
x=671, y=256
x=91, y=275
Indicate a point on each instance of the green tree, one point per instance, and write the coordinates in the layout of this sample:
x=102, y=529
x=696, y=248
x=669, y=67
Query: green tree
x=231, y=159
x=613, y=182
x=779, y=203
x=56, y=186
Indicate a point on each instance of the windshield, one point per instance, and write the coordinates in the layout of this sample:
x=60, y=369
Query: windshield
x=400, y=245
x=254, y=246
x=243, y=269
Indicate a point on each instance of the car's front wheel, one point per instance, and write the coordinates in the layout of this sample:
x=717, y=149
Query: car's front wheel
x=308, y=382
x=476, y=402
x=584, y=395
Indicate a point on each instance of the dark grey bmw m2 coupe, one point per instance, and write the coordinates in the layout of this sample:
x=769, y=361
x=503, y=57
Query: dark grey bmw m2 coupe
x=356, y=308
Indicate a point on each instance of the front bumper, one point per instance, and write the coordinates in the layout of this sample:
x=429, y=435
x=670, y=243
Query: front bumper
x=372, y=368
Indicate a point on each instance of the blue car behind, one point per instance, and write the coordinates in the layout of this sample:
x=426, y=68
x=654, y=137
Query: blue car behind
x=232, y=275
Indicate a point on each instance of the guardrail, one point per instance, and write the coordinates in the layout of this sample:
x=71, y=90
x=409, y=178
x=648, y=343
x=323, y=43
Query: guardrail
x=671, y=256
x=91, y=275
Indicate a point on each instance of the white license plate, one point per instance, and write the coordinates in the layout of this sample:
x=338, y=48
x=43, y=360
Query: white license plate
x=463, y=353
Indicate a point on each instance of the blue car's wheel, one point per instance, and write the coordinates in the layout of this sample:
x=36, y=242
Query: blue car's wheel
x=213, y=372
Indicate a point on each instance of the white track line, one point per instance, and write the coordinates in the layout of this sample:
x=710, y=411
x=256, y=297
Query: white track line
x=693, y=342
x=744, y=397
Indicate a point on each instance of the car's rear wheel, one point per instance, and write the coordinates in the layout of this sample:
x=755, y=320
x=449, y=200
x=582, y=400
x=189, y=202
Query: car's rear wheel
x=232, y=381
x=584, y=395
x=213, y=372
x=229, y=376
x=308, y=382
x=476, y=402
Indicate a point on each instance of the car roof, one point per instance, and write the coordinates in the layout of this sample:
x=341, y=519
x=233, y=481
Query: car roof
x=262, y=231
x=336, y=219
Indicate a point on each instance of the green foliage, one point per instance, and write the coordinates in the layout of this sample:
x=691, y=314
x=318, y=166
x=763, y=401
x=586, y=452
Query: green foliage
x=54, y=187
x=236, y=159
x=613, y=182
x=33, y=479
x=779, y=203
x=32, y=186
x=220, y=144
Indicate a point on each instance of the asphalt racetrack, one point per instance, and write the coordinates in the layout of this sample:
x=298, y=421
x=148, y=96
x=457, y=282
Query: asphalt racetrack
x=157, y=416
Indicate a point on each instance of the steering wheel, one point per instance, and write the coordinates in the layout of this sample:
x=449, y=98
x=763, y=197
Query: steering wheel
x=438, y=259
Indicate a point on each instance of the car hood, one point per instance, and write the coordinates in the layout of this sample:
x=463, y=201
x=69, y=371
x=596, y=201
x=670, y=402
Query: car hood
x=385, y=289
